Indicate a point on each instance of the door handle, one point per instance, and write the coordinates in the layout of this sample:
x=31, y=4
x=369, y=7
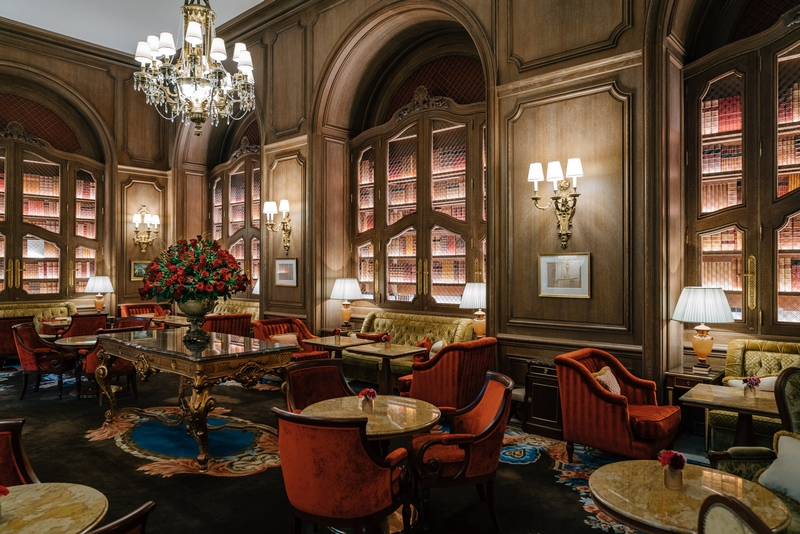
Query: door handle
x=425, y=284
x=71, y=273
x=751, y=282
x=419, y=277
x=18, y=269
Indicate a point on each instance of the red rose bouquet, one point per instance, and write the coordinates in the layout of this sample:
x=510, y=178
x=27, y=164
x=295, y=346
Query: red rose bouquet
x=198, y=269
x=386, y=337
x=337, y=331
x=368, y=393
x=674, y=459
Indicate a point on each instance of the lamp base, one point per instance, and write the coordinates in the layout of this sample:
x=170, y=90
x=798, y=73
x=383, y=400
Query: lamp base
x=701, y=368
x=99, y=302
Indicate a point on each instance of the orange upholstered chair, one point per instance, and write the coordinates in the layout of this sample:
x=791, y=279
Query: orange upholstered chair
x=91, y=361
x=8, y=349
x=141, y=308
x=237, y=324
x=453, y=377
x=334, y=477
x=130, y=322
x=628, y=422
x=85, y=325
x=15, y=469
x=133, y=523
x=469, y=454
x=312, y=381
x=39, y=357
x=264, y=329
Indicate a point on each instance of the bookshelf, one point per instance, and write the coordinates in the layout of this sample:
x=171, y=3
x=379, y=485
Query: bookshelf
x=216, y=209
x=236, y=201
x=420, y=209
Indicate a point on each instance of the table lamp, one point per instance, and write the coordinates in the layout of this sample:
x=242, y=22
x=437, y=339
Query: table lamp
x=474, y=298
x=99, y=285
x=346, y=289
x=702, y=305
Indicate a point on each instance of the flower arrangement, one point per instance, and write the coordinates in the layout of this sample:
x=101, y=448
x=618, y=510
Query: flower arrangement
x=368, y=393
x=337, y=331
x=386, y=337
x=673, y=459
x=752, y=381
x=3, y=491
x=198, y=269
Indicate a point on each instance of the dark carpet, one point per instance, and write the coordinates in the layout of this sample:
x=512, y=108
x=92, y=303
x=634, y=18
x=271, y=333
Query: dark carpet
x=536, y=491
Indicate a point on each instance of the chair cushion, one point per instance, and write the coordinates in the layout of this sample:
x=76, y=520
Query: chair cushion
x=289, y=338
x=404, y=385
x=607, y=379
x=426, y=343
x=783, y=474
x=653, y=422
x=372, y=336
x=451, y=456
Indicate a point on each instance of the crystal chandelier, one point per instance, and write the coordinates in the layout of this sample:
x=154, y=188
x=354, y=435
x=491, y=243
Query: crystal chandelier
x=196, y=86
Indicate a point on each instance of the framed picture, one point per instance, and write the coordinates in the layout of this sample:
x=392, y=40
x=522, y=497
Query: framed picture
x=564, y=275
x=139, y=269
x=286, y=272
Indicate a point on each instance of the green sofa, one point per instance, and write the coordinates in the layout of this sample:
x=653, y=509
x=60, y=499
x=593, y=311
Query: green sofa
x=405, y=329
x=39, y=310
x=231, y=306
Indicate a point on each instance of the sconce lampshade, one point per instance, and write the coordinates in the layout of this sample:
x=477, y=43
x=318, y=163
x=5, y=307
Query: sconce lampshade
x=474, y=298
x=702, y=305
x=284, y=207
x=256, y=287
x=554, y=172
x=574, y=170
x=99, y=285
x=345, y=289
x=270, y=208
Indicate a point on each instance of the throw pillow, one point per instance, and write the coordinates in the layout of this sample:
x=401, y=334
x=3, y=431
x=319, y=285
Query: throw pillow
x=285, y=339
x=607, y=379
x=372, y=336
x=437, y=347
x=426, y=343
x=783, y=474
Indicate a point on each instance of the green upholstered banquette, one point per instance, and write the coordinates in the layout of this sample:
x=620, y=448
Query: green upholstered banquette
x=39, y=311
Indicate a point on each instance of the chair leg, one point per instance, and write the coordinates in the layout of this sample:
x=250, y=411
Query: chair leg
x=426, y=506
x=60, y=384
x=570, y=450
x=297, y=524
x=481, y=492
x=38, y=381
x=490, y=502
x=77, y=384
x=406, y=517
x=132, y=382
x=24, y=385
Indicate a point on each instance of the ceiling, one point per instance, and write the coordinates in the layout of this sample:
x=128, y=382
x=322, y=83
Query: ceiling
x=115, y=24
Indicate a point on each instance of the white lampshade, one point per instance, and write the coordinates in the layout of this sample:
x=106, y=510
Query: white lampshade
x=218, y=49
x=99, y=284
x=284, y=207
x=154, y=43
x=148, y=219
x=474, y=296
x=143, y=53
x=535, y=173
x=346, y=289
x=703, y=305
x=137, y=218
x=156, y=220
x=237, y=49
x=166, y=44
x=245, y=62
x=574, y=170
x=256, y=287
x=194, y=33
x=554, y=173
x=270, y=208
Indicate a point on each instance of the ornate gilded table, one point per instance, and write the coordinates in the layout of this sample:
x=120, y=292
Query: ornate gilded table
x=200, y=367
x=52, y=507
x=633, y=492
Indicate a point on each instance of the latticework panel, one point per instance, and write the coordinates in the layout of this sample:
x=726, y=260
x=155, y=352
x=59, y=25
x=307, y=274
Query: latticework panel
x=41, y=193
x=448, y=266
x=789, y=271
x=401, y=267
x=448, y=169
x=41, y=266
x=38, y=121
x=366, y=190
x=236, y=207
x=722, y=265
x=366, y=270
x=401, y=185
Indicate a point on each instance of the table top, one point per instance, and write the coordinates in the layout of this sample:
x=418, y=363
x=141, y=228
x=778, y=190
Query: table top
x=171, y=320
x=635, y=490
x=730, y=398
x=52, y=507
x=394, y=351
x=686, y=372
x=391, y=417
x=76, y=341
x=345, y=342
x=58, y=321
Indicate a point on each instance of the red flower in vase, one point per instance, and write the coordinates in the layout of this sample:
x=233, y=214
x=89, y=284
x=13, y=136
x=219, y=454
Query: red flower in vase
x=368, y=393
x=674, y=459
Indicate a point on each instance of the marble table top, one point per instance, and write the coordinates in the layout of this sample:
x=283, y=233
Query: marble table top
x=76, y=341
x=635, y=490
x=329, y=342
x=394, y=350
x=55, y=508
x=712, y=396
x=391, y=416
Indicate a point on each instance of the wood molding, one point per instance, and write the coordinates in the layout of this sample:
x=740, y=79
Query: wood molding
x=287, y=80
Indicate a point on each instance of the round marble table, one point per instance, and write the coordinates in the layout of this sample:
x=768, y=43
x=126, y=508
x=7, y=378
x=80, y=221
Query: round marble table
x=53, y=507
x=633, y=492
x=392, y=417
x=77, y=342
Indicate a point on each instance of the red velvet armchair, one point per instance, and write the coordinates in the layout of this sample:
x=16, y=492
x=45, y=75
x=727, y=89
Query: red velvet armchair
x=15, y=469
x=131, y=322
x=237, y=324
x=91, y=361
x=133, y=523
x=85, y=325
x=313, y=381
x=630, y=423
x=334, y=477
x=265, y=328
x=8, y=349
x=141, y=308
x=470, y=453
x=39, y=357
x=453, y=378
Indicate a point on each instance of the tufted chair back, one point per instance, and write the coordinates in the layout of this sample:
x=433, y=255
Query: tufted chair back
x=409, y=328
x=86, y=325
x=759, y=357
x=15, y=469
x=141, y=308
x=787, y=397
x=237, y=324
x=264, y=328
x=313, y=381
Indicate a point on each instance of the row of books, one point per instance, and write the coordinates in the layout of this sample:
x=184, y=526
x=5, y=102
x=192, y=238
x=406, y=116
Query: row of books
x=237, y=250
x=366, y=171
x=86, y=229
x=448, y=271
x=789, y=235
x=447, y=245
x=51, y=225
x=789, y=274
x=235, y=226
x=366, y=221
x=40, y=288
x=41, y=208
x=402, y=194
x=366, y=251
x=789, y=104
x=40, y=269
x=722, y=273
x=789, y=150
x=449, y=189
x=721, y=115
x=788, y=183
x=402, y=166
x=457, y=211
x=449, y=159
x=719, y=195
x=86, y=211
x=404, y=245
x=84, y=252
x=402, y=272
x=84, y=269
x=395, y=214
x=366, y=270
x=722, y=241
x=34, y=184
x=400, y=297
x=719, y=157
x=85, y=189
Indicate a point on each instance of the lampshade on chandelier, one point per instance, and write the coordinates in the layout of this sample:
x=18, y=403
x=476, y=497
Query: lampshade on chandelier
x=196, y=86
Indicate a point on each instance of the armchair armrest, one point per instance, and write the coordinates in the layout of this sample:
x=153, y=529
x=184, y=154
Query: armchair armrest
x=637, y=390
x=397, y=456
x=744, y=462
x=457, y=439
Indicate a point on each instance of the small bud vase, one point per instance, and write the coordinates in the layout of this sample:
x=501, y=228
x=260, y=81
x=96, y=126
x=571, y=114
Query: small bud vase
x=367, y=405
x=749, y=392
x=673, y=478
x=337, y=338
x=387, y=344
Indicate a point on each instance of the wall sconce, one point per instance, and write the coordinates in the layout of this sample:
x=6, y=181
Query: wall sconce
x=99, y=285
x=270, y=210
x=562, y=200
x=146, y=237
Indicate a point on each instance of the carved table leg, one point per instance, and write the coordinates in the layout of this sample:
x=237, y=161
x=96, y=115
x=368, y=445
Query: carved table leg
x=195, y=412
x=103, y=377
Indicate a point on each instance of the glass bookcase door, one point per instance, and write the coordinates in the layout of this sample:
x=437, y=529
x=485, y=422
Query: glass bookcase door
x=217, y=209
x=85, y=266
x=721, y=138
x=449, y=168
x=366, y=270
x=2, y=184
x=237, y=250
x=484, y=172
x=402, y=282
x=236, y=200
x=366, y=190
x=3, y=270
x=789, y=271
x=401, y=183
x=41, y=192
x=255, y=202
x=448, y=266
x=85, y=204
x=723, y=265
x=40, y=268
x=788, y=118
x=255, y=253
